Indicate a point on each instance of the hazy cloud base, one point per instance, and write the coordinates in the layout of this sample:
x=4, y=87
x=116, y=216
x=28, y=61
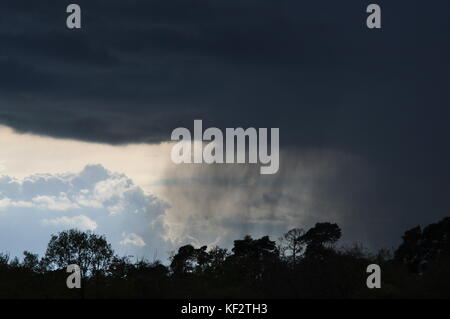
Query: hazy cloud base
x=220, y=203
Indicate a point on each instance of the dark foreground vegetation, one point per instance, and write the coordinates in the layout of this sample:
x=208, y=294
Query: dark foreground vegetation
x=300, y=265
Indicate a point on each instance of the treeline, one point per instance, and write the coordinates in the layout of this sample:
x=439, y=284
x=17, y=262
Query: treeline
x=301, y=264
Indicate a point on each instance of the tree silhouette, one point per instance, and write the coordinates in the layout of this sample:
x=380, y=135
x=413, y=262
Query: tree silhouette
x=419, y=247
x=253, y=256
x=216, y=261
x=30, y=261
x=409, y=252
x=91, y=252
x=320, y=237
x=183, y=260
x=120, y=267
x=292, y=244
x=4, y=261
x=189, y=259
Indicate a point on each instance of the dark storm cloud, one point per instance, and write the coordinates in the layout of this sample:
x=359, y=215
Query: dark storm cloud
x=313, y=69
x=138, y=69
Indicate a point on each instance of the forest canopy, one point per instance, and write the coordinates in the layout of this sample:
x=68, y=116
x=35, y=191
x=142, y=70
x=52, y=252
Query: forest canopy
x=300, y=264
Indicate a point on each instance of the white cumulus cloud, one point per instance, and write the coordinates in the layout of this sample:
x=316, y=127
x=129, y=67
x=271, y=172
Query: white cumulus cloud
x=81, y=222
x=95, y=199
x=59, y=203
x=132, y=239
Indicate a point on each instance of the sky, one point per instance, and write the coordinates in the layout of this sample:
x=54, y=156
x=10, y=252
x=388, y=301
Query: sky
x=86, y=118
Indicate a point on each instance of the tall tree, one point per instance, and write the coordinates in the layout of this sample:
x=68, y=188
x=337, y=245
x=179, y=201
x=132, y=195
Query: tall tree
x=321, y=237
x=30, y=261
x=254, y=256
x=421, y=247
x=292, y=244
x=91, y=252
x=183, y=261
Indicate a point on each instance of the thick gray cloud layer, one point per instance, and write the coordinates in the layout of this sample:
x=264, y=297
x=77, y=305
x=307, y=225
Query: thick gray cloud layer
x=138, y=69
